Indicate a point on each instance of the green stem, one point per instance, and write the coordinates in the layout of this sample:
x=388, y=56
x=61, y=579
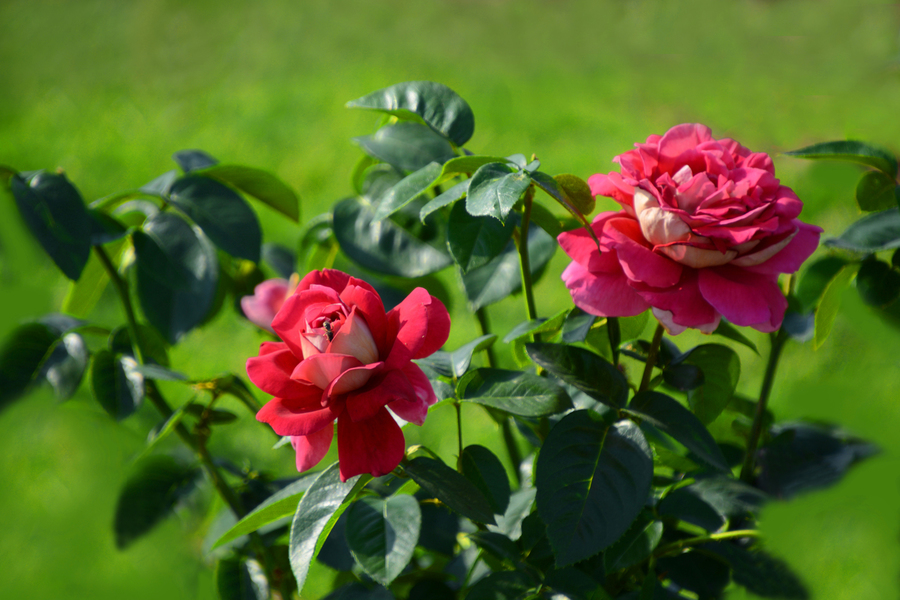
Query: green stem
x=485, y=324
x=749, y=467
x=651, y=357
x=125, y=296
x=459, y=439
x=524, y=260
x=512, y=449
x=674, y=547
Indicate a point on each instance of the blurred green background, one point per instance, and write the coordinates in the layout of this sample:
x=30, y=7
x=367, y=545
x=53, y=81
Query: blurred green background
x=108, y=90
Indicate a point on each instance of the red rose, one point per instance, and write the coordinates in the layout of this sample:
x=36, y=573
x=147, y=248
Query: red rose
x=344, y=359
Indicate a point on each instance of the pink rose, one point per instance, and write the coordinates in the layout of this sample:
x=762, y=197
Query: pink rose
x=344, y=359
x=267, y=298
x=705, y=231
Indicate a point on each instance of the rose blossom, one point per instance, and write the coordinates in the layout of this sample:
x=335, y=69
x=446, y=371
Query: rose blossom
x=344, y=359
x=267, y=298
x=705, y=231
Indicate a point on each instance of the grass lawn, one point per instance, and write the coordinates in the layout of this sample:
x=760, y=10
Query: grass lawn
x=109, y=90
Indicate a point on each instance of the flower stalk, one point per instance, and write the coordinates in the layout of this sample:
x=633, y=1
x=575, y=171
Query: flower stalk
x=651, y=357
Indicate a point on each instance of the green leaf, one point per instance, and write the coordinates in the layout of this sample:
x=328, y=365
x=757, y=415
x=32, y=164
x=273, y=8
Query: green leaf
x=729, y=497
x=104, y=228
x=262, y=185
x=467, y=165
x=877, y=283
x=406, y=190
x=407, y=146
x=318, y=232
x=83, y=295
x=482, y=467
x=358, y=591
x=455, y=193
x=177, y=303
x=321, y=506
x=760, y=573
x=456, y=363
x=721, y=368
x=494, y=190
x=475, y=241
x=510, y=522
x=669, y=416
x=852, y=151
x=66, y=364
x=221, y=213
x=382, y=534
x=496, y=544
x=872, y=233
x=383, y=246
x=451, y=488
x=553, y=189
x=827, y=311
x=815, y=279
x=727, y=330
x=279, y=505
x=502, y=277
x=21, y=357
x=154, y=487
x=546, y=220
x=514, y=392
x=636, y=545
x=876, y=191
x=503, y=585
x=697, y=571
x=192, y=160
x=116, y=384
x=56, y=216
x=592, y=481
x=241, y=579
x=587, y=371
x=577, y=191
x=687, y=506
x=434, y=104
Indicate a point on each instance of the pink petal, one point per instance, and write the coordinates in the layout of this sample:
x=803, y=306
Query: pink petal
x=290, y=320
x=789, y=259
x=363, y=405
x=684, y=301
x=331, y=278
x=312, y=448
x=638, y=261
x=321, y=369
x=373, y=446
x=271, y=372
x=355, y=339
x=415, y=408
x=743, y=297
x=603, y=294
x=354, y=378
x=287, y=418
x=263, y=305
x=580, y=246
x=368, y=303
x=611, y=186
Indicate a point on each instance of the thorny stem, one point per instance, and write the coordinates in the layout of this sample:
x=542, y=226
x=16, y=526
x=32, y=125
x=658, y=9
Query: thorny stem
x=651, y=357
x=747, y=470
x=702, y=539
x=196, y=444
x=524, y=260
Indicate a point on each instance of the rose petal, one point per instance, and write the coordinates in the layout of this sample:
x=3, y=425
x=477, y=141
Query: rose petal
x=415, y=408
x=364, y=404
x=743, y=297
x=420, y=325
x=355, y=339
x=271, y=372
x=322, y=369
x=290, y=321
x=684, y=301
x=289, y=417
x=789, y=259
x=374, y=445
x=354, y=378
x=368, y=303
x=638, y=261
x=603, y=294
x=263, y=305
x=312, y=448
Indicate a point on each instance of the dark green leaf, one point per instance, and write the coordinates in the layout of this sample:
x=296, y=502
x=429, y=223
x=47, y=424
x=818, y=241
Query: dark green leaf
x=21, y=357
x=318, y=232
x=876, y=191
x=239, y=579
x=279, y=505
x=729, y=497
x=160, y=185
x=828, y=307
x=815, y=279
x=510, y=522
x=434, y=104
x=668, y=415
x=496, y=544
x=683, y=377
x=116, y=383
x=262, y=185
x=803, y=456
x=502, y=585
x=406, y=190
x=456, y=363
x=280, y=258
x=553, y=189
x=104, y=228
x=877, y=283
x=383, y=246
x=698, y=572
x=635, y=545
x=721, y=367
x=451, y=488
x=727, y=330
x=177, y=305
x=449, y=197
x=494, y=190
x=152, y=346
x=546, y=220
x=193, y=160
x=65, y=366
x=467, y=165
x=515, y=392
x=152, y=490
x=576, y=326
x=83, y=295
x=592, y=481
x=482, y=467
x=583, y=369
x=502, y=277
x=221, y=213
x=407, y=146
x=577, y=191
x=760, y=573
x=475, y=241
x=55, y=213
x=872, y=233
x=358, y=591
x=321, y=506
x=439, y=526
x=687, y=506
x=853, y=151
x=382, y=534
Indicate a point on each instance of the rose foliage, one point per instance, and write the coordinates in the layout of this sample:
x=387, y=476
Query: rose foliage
x=630, y=468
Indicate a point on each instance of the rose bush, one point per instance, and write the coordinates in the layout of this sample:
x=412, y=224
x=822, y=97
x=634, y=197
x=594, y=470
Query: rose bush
x=705, y=231
x=267, y=299
x=343, y=358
